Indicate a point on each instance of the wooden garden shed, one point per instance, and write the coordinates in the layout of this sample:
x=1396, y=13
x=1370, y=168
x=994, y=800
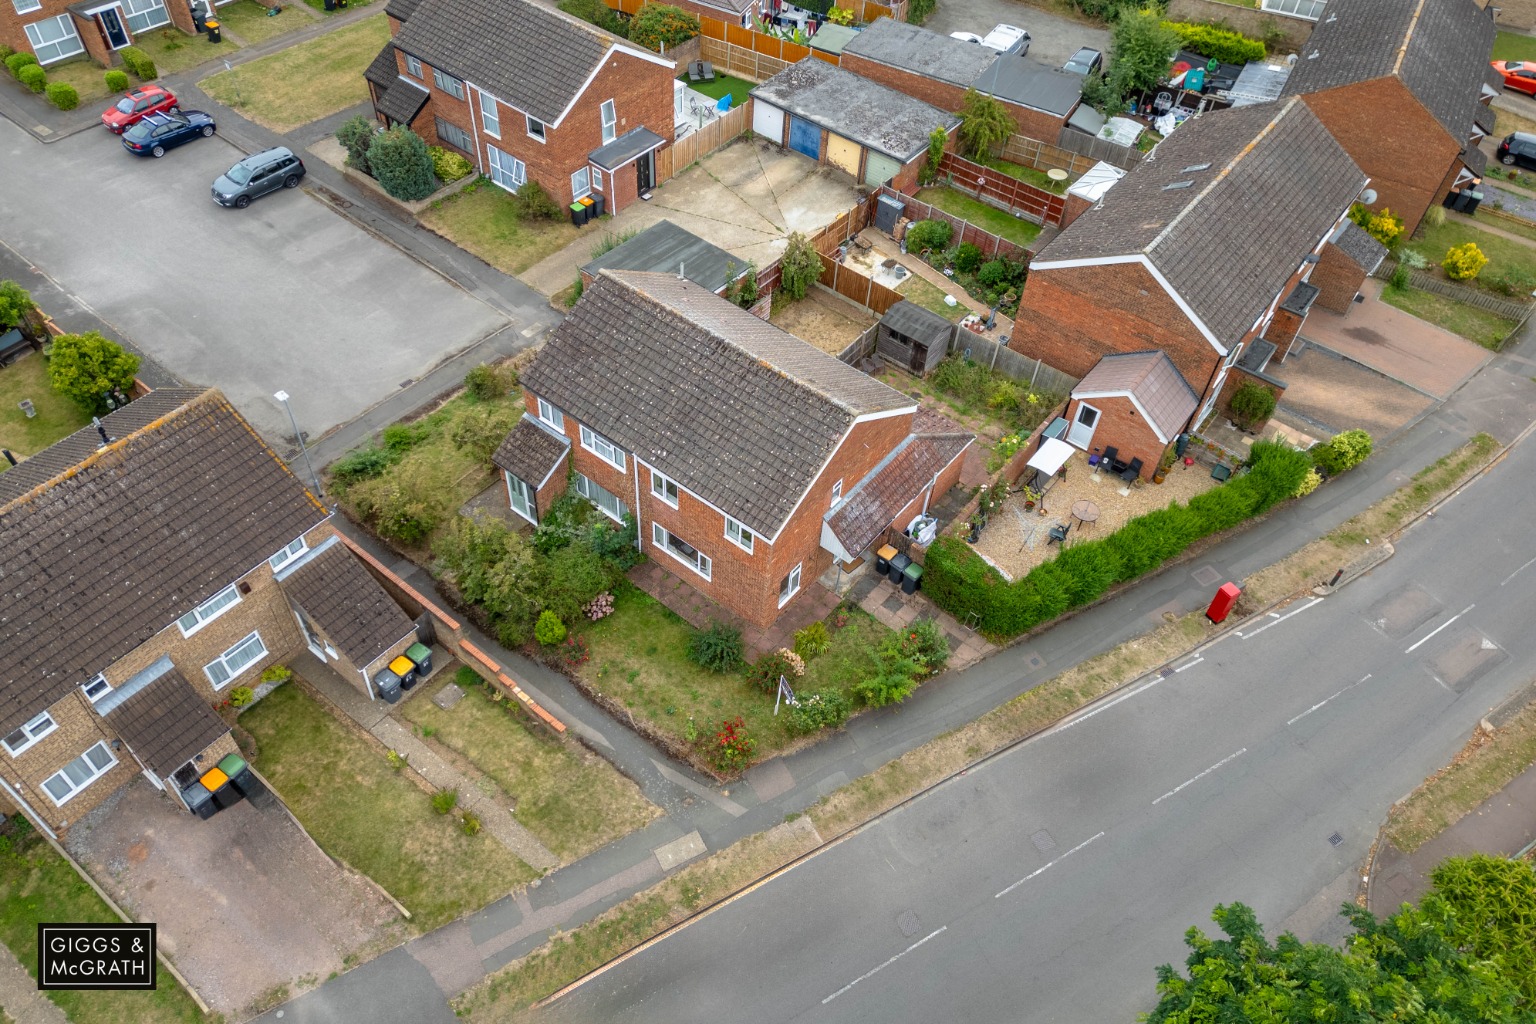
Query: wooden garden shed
x=913, y=338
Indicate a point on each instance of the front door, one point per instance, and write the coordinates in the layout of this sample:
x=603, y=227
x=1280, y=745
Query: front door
x=112, y=28
x=1083, y=424
x=312, y=638
x=645, y=172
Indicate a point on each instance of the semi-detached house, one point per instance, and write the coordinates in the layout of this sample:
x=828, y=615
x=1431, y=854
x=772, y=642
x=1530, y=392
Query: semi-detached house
x=56, y=30
x=527, y=93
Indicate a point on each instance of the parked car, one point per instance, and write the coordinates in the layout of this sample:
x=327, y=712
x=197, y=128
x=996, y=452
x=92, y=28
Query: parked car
x=1519, y=148
x=157, y=133
x=1518, y=75
x=257, y=175
x=1007, y=39
x=966, y=37
x=1084, y=62
x=130, y=110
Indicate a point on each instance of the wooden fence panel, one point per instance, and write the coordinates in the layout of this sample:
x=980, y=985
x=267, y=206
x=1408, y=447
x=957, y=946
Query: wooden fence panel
x=1042, y=156
x=793, y=53
x=1509, y=309
x=738, y=36
x=1094, y=149
x=990, y=244
x=998, y=189
x=714, y=135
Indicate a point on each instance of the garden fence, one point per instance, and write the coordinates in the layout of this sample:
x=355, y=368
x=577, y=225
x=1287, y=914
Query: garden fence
x=1033, y=373
x=992, y=186
x=715, y=134
x=1509, y=309
x=1042, y=156
x=990, y=244
x=1093, y=149
x=862, y=346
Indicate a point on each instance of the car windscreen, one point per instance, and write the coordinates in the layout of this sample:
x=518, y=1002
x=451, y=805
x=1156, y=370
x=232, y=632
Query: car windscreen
x=239, y=174
x=125, y=105
x=138, y=132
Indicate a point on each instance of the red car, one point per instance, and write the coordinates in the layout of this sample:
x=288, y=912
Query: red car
x=1518, y=75
x=130, y=110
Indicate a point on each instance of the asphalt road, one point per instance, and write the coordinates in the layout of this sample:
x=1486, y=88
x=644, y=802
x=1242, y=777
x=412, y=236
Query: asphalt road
x=1047, y=884
x=285, y=294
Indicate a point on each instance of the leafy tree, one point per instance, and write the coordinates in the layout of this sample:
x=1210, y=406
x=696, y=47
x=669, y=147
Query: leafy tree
x=984, y=124
x=1142, y=48
x=401, y=163
x=15, y=305
x=799, y=267
x=936, y=140
x=356, y=135
x=918, y=10
x=1491, y=899
x=1252, y=402
x=85, y=368
x=662, y=25
x=1102, y=95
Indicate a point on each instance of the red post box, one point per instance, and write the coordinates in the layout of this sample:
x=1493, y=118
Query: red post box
x=1222, y=603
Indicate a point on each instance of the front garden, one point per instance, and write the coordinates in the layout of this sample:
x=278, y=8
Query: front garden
x=498, y=227
x=1462, y=253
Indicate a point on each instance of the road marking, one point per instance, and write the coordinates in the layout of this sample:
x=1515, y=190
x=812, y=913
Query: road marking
x=883, y=966
x=1320, y=703
x=1278, y=619
x=1105, y=707
x=1518, y=571
x=1190, y=664
x=1438, y=628
x=1197, y=778
x=1037, y=871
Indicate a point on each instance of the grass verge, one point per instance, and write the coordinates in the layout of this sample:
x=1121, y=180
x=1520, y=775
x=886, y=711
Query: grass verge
x=250, y=21
x=37, y=886
x=567, y=796
x=1476, y=325
x=930, y=296
x=1510, y=223
x=305, y=82
x=983, y=215
x=1514, y=46
x=319, y=5
x=483, y=220
x=173, y=50
x=1029, y=175
x=376, y=820
x=1505, y=122
x=57, y=417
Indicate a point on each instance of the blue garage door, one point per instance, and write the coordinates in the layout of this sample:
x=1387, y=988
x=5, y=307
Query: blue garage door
x=804, y=137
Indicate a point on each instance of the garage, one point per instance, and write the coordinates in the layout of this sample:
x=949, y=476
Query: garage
x=805, y=137
x=843, y=153
x=880, y=169
x=768, y=122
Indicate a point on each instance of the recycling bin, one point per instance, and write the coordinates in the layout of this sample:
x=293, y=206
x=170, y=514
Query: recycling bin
x=388, y=685
x=883, y=560
x=597, y=204
x=213, y=778
x=899, y=568
x=1474, y=200
x=910, y=578
x=227, y=796
x=406, y=670
x=421, y=657
x=578, y=214
x=232, y=765
x=214, y=35
x=199, y=801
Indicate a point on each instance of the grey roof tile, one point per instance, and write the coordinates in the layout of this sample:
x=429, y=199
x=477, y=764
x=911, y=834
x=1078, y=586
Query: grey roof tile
x=529, y=452
x=1151, y=378
x=166, y=723
x=383, y=71
x=401, y=9
x=1359, y=246
x=865, y=512
x=403, y=100
x=729, y=406
x=854, y=107
x=918, y=50
x=344, y=599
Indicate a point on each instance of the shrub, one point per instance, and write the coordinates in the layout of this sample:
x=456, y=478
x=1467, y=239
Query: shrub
x=469, y=823
x=599, y=608
x=405, y=509
x=717, y=648
x=1252, y=402
x=16, y=61
x=34, y=77
x=1091, y=569
x=574, y=651
x=16, y=306
x=1401, y=278
x=967, y=258
x=241, y=696
x=448, y=165
x=1462, y=262
x=892, y=683
x=812, y=640
x=63, y=95
x=484, y=384
x=928, y=234
x=276, y=674
x=765, y=671
x=918, y=10
x=401, y=164
x=732, y=748
x=356, y=135
x=937, y=140
x=1513, y=281
x=85, y=368
x=549, y=630
x=362, y=464
x=824, y=709
x=138, y=62
x=1435, y=216
x=1382, y=225
x=1412, y=258
x=569, y=579
x=743, y=290
x=658, y=26
x=533, y=203
x=794, y=661
x=445, y=800
x=1345, y=451
x=5, y=51
x=922, y=643
x=117, y=81
x=1218, y=43
x=599, y=14
x=1308, y=484
x=993, y=273
x=481, y=431
x=400, y=438
x=799, y=267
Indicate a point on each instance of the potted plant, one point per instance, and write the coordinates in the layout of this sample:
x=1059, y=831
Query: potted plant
x=1164, y=465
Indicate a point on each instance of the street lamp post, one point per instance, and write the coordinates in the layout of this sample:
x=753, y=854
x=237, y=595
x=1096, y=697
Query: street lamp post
x=282, y=396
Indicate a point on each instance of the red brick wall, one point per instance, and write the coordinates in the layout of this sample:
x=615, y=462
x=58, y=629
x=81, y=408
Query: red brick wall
x=1075, y=207
x=1282, y=331
x=1236, y=378
x=1122, y=427
x=441, y=104
x=1034, y=123
x=940, y=94
x=1338, y=278
x=91, y=36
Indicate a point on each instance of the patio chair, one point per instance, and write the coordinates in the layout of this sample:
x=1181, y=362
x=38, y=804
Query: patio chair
x=706, y=71
x=694, y=70
x=1109, y=458
x=1132, y=471
x=1059, y=534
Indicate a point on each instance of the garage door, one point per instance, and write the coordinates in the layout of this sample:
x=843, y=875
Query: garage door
x=843, y=153
x=804, y=137
x=768, y=122
x=880, y=169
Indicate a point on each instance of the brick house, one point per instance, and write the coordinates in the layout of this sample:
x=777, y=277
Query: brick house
x=1404, y=85
x=874, y=133
x=154, y=567
x=527, y=92
x=732, y=12
x=748, y=458
x=1195, y=251
x=55, y=30
x=1137, y=403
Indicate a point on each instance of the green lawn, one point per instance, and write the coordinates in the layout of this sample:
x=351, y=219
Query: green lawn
x=1514, y=46
x=378, y=821
x=38, y=886
x=983, y=215
x=567, y=796
x=305, y=82
x=85, y=75
x=1513, y=225
x=723, y=84
x=1505, y=255
x=250, y=21
x=1470, y=322
x=173, y=50
x=481, y=218
x=1039, y=179
x=57, y=417
x=931, y=297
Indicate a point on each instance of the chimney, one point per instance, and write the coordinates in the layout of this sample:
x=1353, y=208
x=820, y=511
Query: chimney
x=105, y=438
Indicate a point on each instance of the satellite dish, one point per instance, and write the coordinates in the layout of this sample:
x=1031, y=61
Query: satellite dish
x=1368, y=196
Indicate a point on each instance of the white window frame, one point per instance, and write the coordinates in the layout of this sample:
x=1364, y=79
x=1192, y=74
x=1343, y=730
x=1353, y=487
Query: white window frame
x=738, y=534
x=594, y=442
x=1232, y=356
x=294, y=549
x=216, y=606
x=96, y=771
x=610, y=116
x=234, y=672
x=490, y=117
x=581, y=183
x=700, y=564
x=412, y=66
x=516, y=174
x=597, y=494
x=447, y=83
x=453, y=135
x=144, y=12
x=55, y=47
x=597, y=179
x=99, y=684
x=551, y=414
x=37, y=5
x=662, y=485
x=530, y=122
x=34, y=730
x=517, y=487
x=837, y=493
x=792, y=583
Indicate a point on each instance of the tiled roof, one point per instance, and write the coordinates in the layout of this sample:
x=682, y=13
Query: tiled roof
x=1160, y=390
x=403, y=100
x=530, y=453
x=344, y=599
x=625, y=148
x=1223, y=179
x=863, y=515
x=855, y=107
x=732, y=408
x=402, y=9
x=128, y=538
x=1484, y=117
x=1359, y=246
x=529, y=56
x=1438, y=48
x=166, y=723
x=922, y=52
x=1475, y=159
x=383, y=71
x=668, y=249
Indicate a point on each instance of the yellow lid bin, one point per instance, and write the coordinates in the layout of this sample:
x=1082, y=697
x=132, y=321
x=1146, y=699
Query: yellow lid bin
x=401, y=665
x=213, y=780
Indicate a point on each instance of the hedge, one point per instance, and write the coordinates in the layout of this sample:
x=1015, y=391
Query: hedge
x=33, y=77
x=1218, y=43
x=139, y=62
x=963, y=584
x=117, y=81
x=63, y=95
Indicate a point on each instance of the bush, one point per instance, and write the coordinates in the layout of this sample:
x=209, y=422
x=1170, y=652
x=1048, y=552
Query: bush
x=1401, y=279
x=401, y=164
x=549, y=630
x=86, y=368
x=1382, y=225
x=1218, y=43
x=117, y=81
x=63, y=95
x=34, y=77
x=967, y=258
x=1345, y=451
x=794, y=661
x=919, y=10
x=765, y=671
x=1308, y=484
x=5, y=51
x=484, y=383
x=824, y=709
x=892, y=683
x=448, y=165
x=923, y=643
x=799, y=267
x=241, y=696
x=993, y=273
x=405, y=509
x=400, y=438
x=15, y=306
x=481, y=431
x=1252, y=402
x=928, y=234
x=659, y=26
x=533, y=203
x=599, y=14
x=138, y=62
x=356, y=135
x=1462, y=262
x=717, y=648
x=362, y=464
x=445, y=800
x=276, y=674
x=732, y=748
x=1514, y=282
x=812, y=640
x=469, y=823
x=16, y=61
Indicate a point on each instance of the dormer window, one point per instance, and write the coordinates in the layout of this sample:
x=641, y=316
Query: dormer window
x=97, y=688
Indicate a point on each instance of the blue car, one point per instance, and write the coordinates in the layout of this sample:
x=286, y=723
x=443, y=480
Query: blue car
x=160, y=132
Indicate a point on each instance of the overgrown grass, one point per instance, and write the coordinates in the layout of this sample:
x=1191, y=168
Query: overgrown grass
x=173, y=50
x=483, y=219
x=930, y=296
x=38, y=886
x=305, y=82
x=250, y=21
x=983, y=215
x=57, y=417
x=376, y=820
x=1514, y=46
x=1476, y=325
x=567, y=796
x=737, y=88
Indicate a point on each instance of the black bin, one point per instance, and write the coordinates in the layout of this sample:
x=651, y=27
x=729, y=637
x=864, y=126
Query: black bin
x=227, y=796
x=899, y=568
x=199, y=801
x=597, y=204
x=388, y=685
x=214, y=35
x=1474, y=200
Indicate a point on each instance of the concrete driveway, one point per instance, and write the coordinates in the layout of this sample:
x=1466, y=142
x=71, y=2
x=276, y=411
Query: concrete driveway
x=1053, y=38
x=1327, y=391
x=286, y=294
x=245, y=902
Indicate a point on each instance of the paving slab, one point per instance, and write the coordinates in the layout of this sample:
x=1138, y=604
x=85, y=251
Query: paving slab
x=680, y=851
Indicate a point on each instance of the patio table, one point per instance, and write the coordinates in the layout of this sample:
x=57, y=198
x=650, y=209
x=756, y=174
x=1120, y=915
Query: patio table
x=1085, y=511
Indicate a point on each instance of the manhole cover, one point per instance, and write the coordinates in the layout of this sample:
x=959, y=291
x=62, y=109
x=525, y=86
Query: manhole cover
x=1043, y=841
x=1398, y=614
x=1034, y=660
x=1336, y=840
x=1469, y=658
x=907, y=922
x=1206, y=575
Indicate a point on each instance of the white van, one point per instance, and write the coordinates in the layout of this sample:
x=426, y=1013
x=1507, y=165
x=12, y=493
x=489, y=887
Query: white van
x=1007, y=39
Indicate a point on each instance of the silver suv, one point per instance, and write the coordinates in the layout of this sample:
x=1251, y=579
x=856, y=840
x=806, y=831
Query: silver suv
x=257, y=175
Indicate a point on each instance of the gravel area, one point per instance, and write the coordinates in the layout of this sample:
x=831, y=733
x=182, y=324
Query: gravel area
x=1511, y=201
x=1015, y=541
x=823, y=320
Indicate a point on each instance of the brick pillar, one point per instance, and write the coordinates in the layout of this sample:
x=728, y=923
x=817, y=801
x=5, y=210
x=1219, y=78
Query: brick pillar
x=95, y=42
x=1282, y=331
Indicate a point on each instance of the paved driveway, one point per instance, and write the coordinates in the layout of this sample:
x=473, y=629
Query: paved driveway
x=1327, y=391
x=1053, y=38
x=286, y=294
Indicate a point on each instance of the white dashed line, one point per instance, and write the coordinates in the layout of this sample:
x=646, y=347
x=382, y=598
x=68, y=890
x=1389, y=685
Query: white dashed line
x=1277, y=619
x=1438, y=628
x=1320, y=703
x=1037, y=871
x=877, y=970
x=1197, y=778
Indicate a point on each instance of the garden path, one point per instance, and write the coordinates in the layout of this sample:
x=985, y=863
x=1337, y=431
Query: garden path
x=19, y=995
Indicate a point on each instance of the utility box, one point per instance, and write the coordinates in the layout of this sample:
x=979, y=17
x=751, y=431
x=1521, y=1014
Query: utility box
x=888, y=210
x=1221, y=604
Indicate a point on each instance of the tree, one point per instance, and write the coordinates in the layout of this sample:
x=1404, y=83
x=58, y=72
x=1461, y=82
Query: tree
x=356, y=134
x=1100, y=94
x=1490, y=901
x=937, y=139
x=661, y=25
x=1142, y=48
x=984, y=124
x=86, y=368
x=799, y=267
x=15, y=306
x=401, y=164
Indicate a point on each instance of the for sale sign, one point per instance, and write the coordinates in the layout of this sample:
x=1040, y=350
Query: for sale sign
x=96, y=956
